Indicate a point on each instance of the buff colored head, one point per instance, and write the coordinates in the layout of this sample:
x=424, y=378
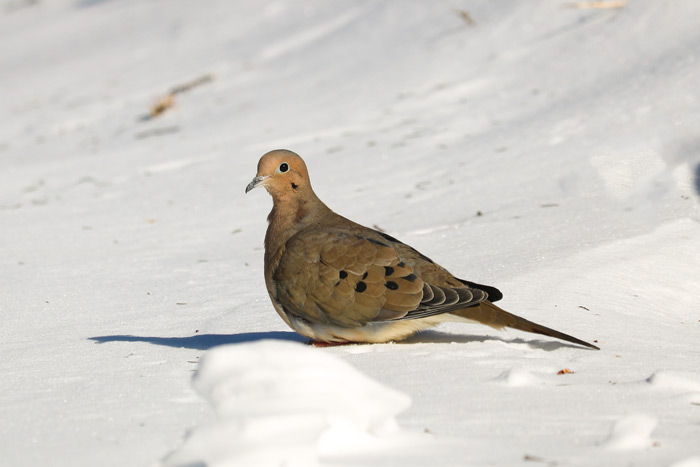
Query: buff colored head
x=281, y=172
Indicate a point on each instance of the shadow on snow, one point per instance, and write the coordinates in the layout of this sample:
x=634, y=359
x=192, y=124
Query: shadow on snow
x=203, y=341
x=437, y=337
x=207, y=341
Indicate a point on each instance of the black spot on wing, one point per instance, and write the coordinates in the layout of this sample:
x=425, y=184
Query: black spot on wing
x=391, y=285
x=360, y=287
x=388, y=270
x=411, y=277
x=343, y=274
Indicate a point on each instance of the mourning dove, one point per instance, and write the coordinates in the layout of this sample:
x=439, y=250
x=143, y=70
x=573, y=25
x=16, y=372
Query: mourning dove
x=335, y=281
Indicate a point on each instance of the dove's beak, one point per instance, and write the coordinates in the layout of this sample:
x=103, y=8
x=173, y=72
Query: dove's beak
x=257, y=181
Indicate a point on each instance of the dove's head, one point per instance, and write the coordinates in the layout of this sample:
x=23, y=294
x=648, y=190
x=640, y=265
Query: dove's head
x=282, y=173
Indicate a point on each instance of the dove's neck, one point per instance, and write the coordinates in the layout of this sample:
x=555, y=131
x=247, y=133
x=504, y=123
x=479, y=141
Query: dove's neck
x=291, y=212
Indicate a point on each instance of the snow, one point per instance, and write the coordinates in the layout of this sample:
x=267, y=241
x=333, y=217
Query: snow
x=130, y=252
x=307, y=401
x=632, y=432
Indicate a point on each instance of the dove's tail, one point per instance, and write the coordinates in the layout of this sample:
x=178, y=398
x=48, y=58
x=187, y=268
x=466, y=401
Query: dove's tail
x=489, y=314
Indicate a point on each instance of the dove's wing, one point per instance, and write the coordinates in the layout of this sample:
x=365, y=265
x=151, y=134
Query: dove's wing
x=346, y=279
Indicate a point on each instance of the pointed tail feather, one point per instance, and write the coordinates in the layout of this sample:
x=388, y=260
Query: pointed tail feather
x=489, y=314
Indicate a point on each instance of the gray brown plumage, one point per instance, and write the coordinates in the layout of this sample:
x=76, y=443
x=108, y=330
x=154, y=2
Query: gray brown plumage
x=333, y=280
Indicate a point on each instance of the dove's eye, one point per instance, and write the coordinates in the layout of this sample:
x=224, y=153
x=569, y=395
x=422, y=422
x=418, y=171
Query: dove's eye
x=283, y=167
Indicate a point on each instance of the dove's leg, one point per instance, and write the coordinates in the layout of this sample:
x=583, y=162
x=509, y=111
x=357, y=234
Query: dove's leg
x=328, y=344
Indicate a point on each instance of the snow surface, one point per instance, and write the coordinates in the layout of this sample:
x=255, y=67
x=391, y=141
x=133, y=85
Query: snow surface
x=551, y=151
x=311, y=403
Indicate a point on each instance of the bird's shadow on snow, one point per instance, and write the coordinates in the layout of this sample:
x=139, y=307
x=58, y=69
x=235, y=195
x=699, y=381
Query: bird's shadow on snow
x=207, y=341
x=437, y=337
x=203, y=341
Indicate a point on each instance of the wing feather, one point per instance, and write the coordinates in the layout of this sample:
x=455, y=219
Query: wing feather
x=327, y=276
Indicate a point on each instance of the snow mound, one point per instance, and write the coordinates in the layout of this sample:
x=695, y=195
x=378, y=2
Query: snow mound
x=631, y=432
x=285, y=403
x=677, y=382
x=689, y=462
x=517, y=377
x=674, y=381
